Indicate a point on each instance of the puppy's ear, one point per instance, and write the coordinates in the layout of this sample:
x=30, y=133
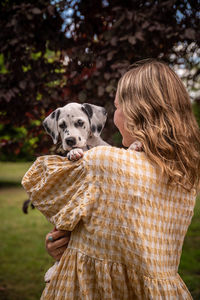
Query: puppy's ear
x=97, y=116
x=50, y=124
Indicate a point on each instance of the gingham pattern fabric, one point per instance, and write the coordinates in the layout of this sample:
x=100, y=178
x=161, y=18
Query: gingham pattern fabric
x=127, y=225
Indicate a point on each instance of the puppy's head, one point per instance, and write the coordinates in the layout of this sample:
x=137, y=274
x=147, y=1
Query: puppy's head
x=74, y=123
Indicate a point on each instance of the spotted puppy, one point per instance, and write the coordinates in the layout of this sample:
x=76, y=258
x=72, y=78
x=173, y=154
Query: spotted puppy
x=78, y=125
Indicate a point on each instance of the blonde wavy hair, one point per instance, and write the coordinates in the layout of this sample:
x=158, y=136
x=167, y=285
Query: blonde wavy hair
x=158, y=113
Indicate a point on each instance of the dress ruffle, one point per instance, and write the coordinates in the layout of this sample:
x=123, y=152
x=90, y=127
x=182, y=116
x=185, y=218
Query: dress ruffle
x=105, y=280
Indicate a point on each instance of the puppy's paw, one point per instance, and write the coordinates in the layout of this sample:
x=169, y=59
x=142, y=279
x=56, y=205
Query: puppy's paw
x=48, y=275
x=75, y=154
x=137, y=146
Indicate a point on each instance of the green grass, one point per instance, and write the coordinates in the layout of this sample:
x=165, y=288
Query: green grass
x=24, y=259
x=190, y=260
x=11, y=173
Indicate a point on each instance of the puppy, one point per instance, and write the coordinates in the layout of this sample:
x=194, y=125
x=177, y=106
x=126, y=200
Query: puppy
x=78, y=125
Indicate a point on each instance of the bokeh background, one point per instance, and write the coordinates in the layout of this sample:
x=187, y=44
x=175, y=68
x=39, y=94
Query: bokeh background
x=53, y=52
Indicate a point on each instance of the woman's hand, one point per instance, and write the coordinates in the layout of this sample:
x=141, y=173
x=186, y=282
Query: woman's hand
x=56, y=242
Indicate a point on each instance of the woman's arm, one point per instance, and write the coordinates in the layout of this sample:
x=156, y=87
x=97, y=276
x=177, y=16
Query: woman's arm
x=58, y=245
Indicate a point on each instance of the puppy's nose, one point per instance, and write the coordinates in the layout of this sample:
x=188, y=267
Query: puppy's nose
x=71, y=141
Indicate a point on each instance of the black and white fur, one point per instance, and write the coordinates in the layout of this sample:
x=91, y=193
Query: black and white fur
x=78, y=126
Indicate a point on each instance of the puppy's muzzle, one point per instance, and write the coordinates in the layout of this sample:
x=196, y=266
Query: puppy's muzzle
x=71, y=141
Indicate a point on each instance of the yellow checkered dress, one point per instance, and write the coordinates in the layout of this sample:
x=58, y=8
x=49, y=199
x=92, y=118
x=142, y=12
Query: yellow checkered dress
x=127, y=225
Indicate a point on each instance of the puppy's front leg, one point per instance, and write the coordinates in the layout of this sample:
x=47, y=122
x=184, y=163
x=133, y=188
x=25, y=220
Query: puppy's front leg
x=75, y=154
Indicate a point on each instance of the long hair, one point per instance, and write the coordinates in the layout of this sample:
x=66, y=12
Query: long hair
x=158, y=113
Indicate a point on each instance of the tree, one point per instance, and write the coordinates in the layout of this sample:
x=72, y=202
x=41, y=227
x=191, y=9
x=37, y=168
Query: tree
x=99, y=41
x=30, y=47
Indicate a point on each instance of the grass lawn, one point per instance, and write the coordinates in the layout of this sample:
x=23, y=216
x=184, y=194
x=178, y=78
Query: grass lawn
x=23, y=257
x=190, y=260
x=22, y=254
x=11, y=173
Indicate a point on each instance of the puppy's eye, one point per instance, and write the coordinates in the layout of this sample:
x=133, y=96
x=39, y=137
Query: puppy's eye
x=79, y=123
x=63, y=125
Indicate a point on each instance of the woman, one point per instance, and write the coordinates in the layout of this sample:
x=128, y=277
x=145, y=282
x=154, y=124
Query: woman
x=129, y=210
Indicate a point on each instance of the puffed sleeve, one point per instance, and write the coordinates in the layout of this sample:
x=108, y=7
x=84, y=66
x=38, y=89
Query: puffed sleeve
x=59, y=188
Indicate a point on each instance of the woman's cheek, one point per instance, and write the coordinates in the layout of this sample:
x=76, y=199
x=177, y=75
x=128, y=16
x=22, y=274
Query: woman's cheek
x=115, y=118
